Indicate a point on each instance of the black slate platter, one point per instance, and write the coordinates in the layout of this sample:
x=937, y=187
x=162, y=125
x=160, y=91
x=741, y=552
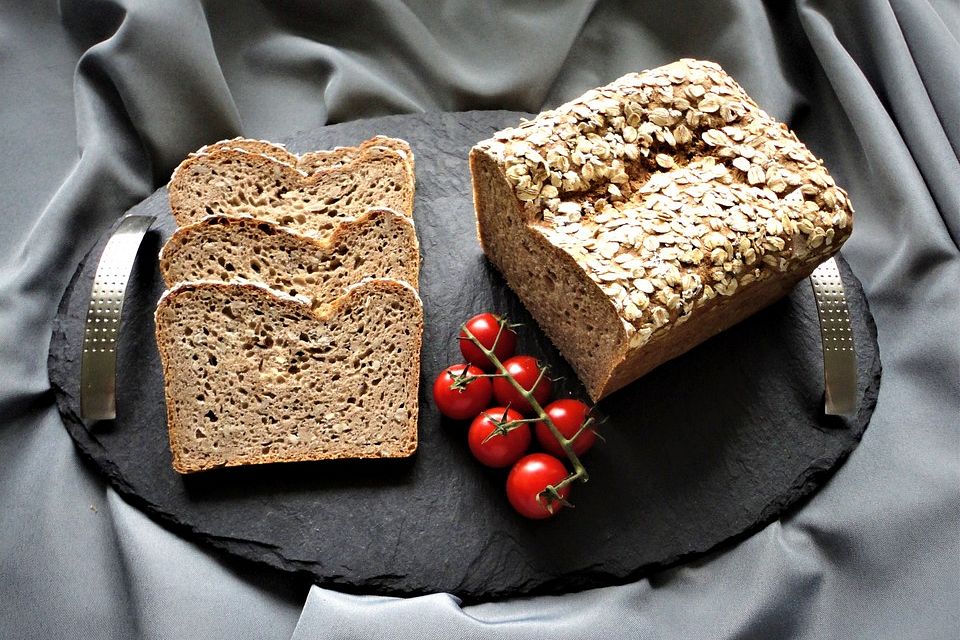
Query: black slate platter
x=705, y=449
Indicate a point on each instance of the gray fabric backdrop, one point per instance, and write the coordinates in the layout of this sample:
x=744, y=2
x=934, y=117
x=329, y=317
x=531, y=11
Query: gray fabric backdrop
x=100, y=99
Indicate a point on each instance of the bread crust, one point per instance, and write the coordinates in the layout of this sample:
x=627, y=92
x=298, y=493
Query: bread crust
x=671, y=194
x=295, y=307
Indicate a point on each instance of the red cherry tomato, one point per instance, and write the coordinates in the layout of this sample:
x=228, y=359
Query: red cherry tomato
x=567, y=416
x=459, y=393
x=528, y=478
x=525, y=370
x=485, y=328
x=498, y=449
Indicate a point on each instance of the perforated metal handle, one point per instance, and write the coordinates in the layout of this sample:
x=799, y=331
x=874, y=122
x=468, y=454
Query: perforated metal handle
x=98, y=364
x=836, y=334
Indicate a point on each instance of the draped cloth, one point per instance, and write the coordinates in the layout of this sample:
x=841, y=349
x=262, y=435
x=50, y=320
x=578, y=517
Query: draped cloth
x=102, y=98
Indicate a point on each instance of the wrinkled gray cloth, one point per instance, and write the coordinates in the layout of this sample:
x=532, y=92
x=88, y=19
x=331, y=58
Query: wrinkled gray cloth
x=99, y=100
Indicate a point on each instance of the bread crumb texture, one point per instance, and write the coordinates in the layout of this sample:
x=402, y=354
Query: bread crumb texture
x=311, y=194
x=381, y=243
x=253, y=376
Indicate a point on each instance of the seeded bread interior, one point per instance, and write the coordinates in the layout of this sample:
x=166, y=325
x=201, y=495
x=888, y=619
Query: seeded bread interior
x=235, y=181
x=291, y=328
x=255, y=376
x=380, y=244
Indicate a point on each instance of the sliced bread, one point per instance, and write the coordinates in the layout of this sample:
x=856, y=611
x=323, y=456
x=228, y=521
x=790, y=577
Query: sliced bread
x=234, y=181
x=263, y=147
x=314, y=160
x=255, y=376
x=380, y=244
x=328, y=159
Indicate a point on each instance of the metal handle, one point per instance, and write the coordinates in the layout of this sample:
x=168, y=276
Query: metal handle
x=836, y=334
x=98, y=363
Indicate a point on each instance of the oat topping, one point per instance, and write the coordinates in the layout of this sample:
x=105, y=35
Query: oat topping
x=672, y=187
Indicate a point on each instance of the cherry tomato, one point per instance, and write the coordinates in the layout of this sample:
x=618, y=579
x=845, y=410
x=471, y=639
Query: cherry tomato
x=528, y=478
x=459, y=393
x=525, y=370
x=485, y=328
x=567, y=416
x=498, y=449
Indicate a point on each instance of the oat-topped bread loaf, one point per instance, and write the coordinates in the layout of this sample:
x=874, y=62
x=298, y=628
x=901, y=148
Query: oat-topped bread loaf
x=381, y=243
x=253, y=376
x=650, y=214
x=259, y=179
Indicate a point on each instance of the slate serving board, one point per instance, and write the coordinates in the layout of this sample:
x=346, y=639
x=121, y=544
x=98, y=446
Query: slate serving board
x=705, y=449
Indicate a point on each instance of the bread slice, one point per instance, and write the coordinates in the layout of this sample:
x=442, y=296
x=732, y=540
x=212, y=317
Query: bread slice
x=234, y=181
x=339, y=156
x=380, y=244
x=255, y=376
x=650, y=214
x=263, y=147
x=315, y=160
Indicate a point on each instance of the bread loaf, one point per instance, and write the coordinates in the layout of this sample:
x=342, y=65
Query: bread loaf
x=379, y=244
x=255, y=376
x=650, y=214
x=251, y=178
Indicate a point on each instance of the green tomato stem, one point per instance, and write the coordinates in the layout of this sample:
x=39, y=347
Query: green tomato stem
x=579, y=472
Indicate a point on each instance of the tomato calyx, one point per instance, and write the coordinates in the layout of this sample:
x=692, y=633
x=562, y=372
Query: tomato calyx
x=550, y=497
x=538, y=485
x=503, y=425
x=459, y=381
x=461, y=391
